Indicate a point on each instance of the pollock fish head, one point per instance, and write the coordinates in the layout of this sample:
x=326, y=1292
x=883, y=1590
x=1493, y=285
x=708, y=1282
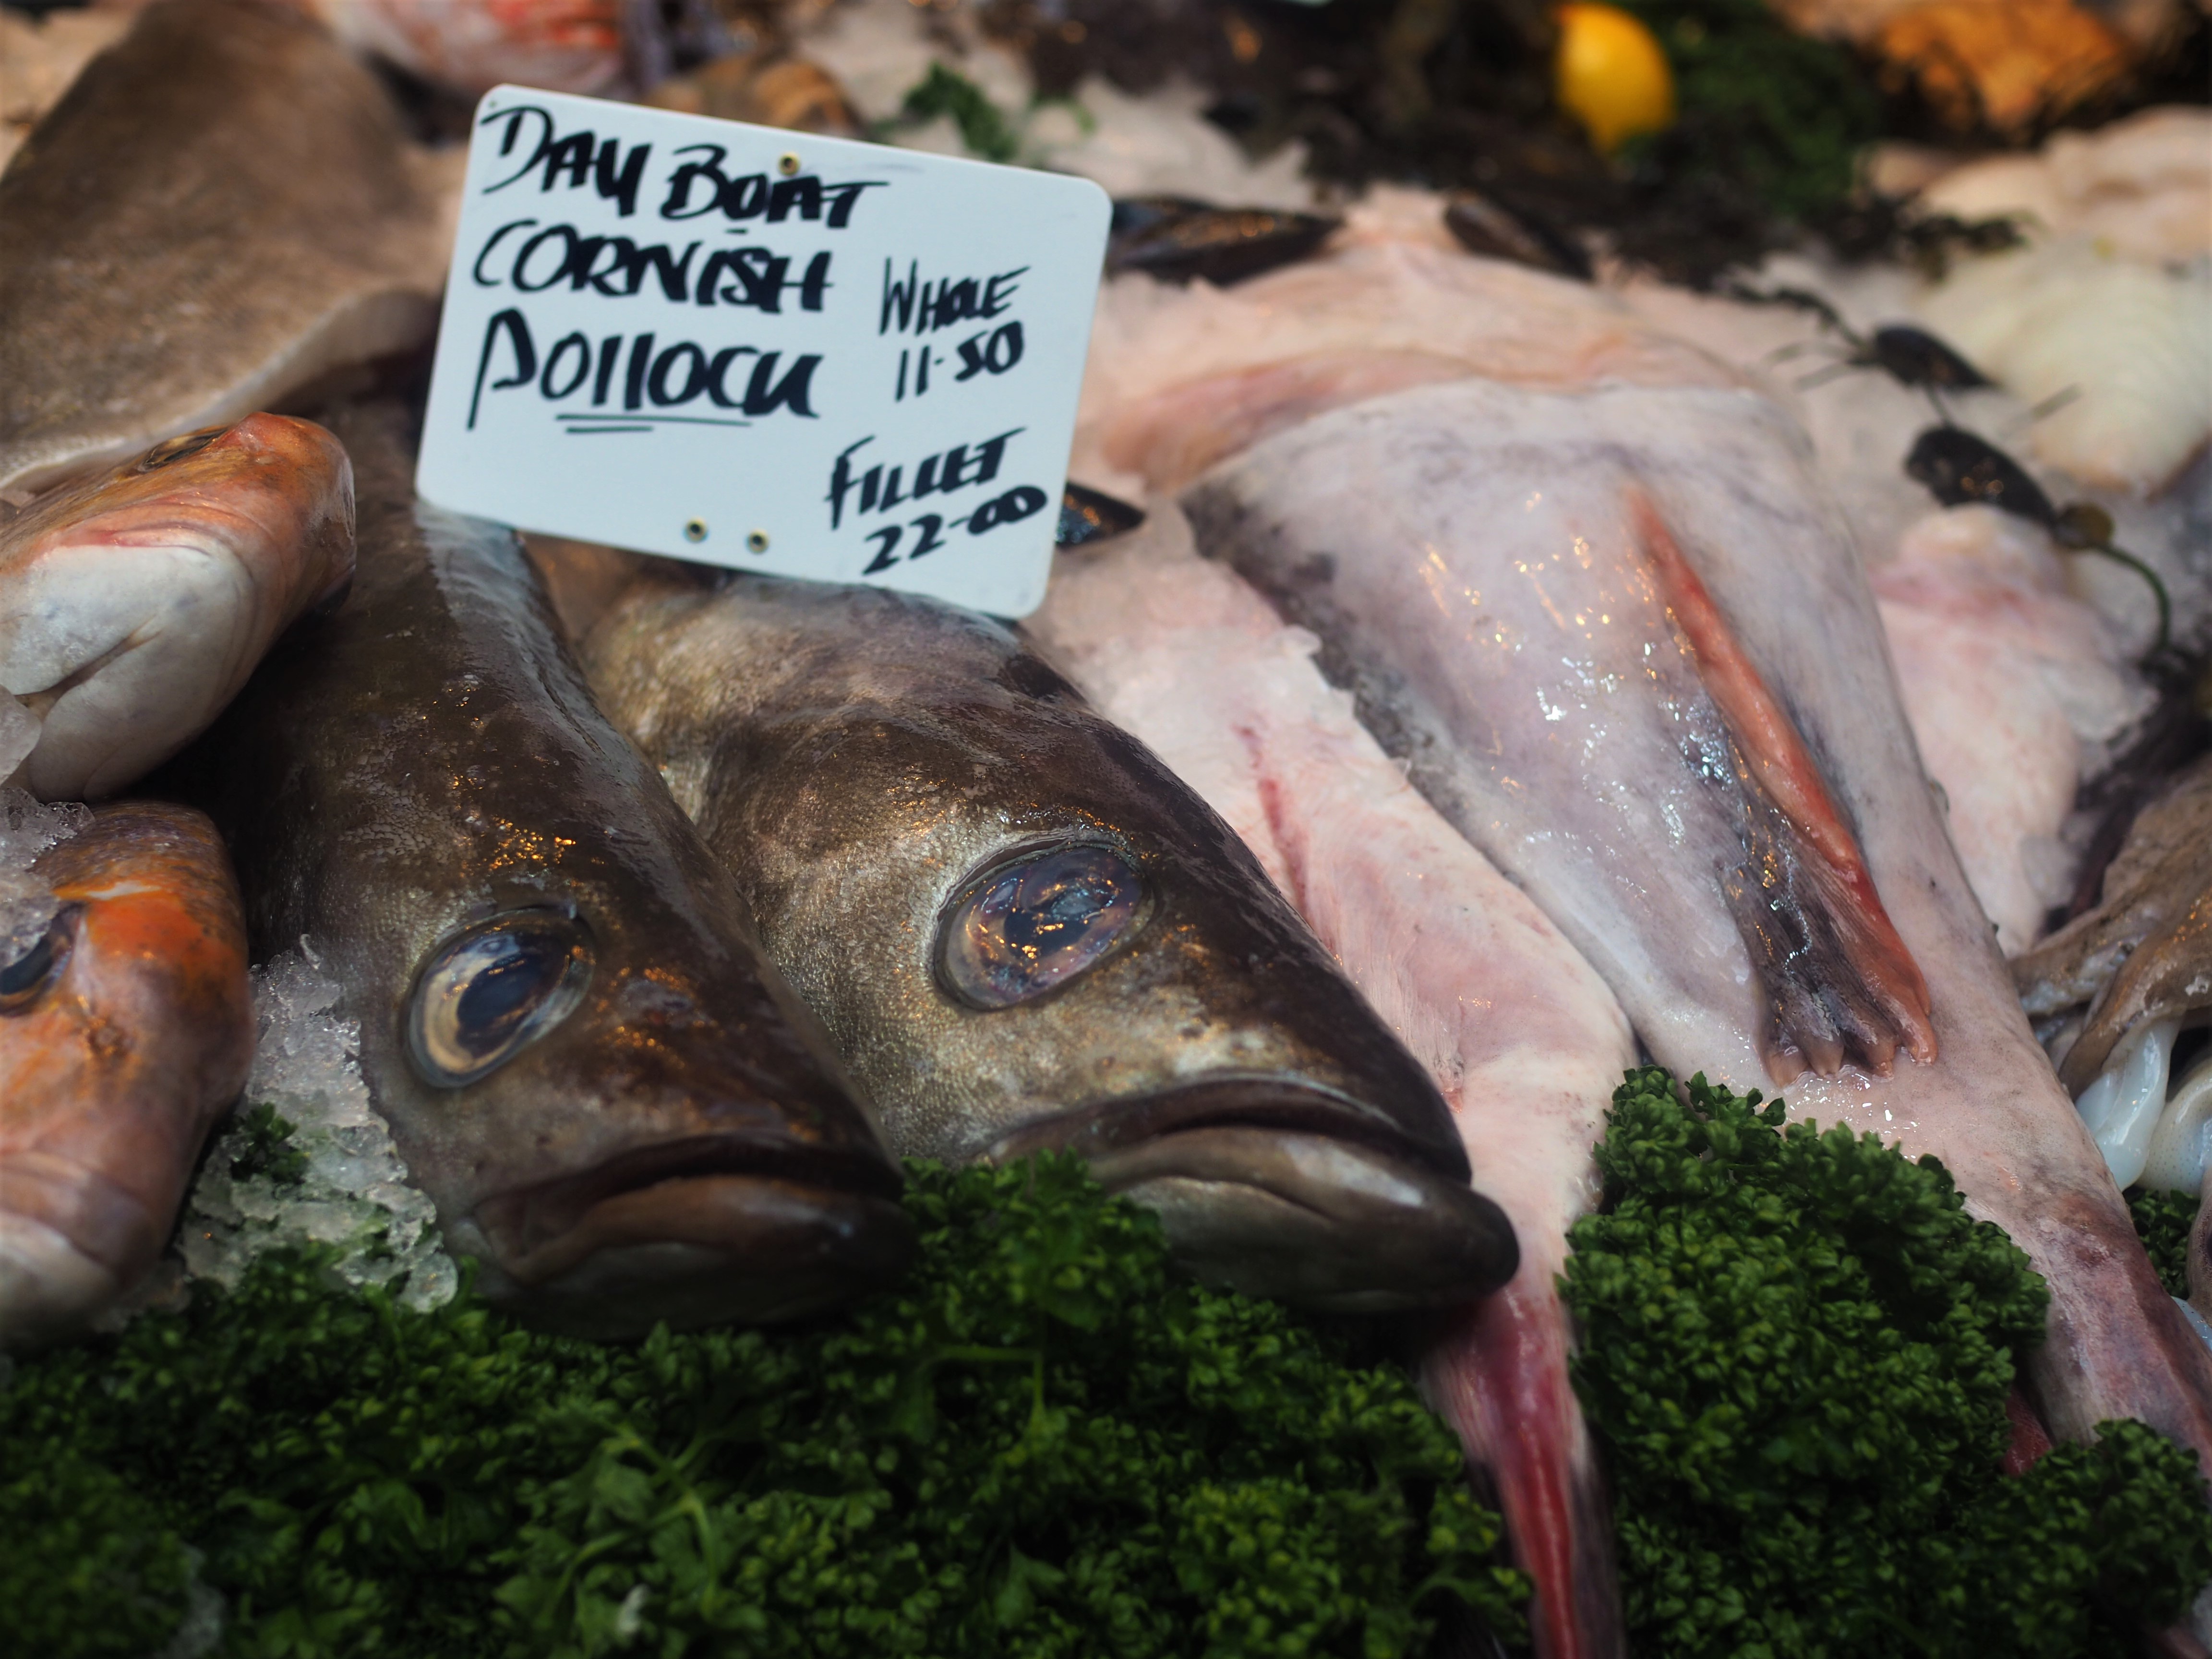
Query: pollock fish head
x=133, y=604
x=617, y=1137
x=614, y=1102
x=126, y=1031
x=1026, y=935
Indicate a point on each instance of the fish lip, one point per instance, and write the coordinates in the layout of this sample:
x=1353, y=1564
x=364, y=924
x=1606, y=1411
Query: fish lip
x=1284, y=1188
x=545, y=1230
x=1254, y=1101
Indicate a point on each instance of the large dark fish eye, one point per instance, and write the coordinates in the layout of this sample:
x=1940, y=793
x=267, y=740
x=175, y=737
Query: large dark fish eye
x=175, y=449
x=483, y=997
x=1025, y=927
x=37, y=964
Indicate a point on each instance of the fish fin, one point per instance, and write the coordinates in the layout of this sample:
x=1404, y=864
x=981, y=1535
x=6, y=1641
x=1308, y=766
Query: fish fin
x=1497, y=1371
x=1841, y=984
x=2162, y=978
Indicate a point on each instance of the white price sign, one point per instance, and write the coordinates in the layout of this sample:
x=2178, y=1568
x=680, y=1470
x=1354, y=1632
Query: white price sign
x=761, y=348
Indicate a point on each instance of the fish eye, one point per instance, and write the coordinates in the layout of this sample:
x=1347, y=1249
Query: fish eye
x=485, y=996
x=1036, y=922
x=37, y=964
x=175, y=449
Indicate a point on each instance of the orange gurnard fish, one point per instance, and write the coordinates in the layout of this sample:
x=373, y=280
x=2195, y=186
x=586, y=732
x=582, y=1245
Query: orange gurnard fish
x=126, y=1030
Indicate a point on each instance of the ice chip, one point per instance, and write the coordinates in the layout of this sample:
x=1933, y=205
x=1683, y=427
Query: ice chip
x=347, y=1186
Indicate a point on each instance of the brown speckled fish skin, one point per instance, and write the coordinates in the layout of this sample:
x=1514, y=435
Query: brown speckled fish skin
x=860, y=759
x=2145, y=953
x=684, y=1144
x=222, y=209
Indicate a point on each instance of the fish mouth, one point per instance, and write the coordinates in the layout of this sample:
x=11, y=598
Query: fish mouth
x=712, y=1229
x=1283, y=1188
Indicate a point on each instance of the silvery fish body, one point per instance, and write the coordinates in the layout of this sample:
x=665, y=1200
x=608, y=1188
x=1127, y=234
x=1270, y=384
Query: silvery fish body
x=616, y=1104
x=1024, y=933
x=221, y=211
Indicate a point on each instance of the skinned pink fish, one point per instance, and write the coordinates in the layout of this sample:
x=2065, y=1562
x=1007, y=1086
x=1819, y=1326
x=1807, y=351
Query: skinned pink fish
x=133, y=604
x=2010, y=682
x=1523, y=1037
x=1598, y=601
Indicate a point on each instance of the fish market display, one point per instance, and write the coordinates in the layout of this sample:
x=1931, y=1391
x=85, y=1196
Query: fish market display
x=1024, y=934
x=2010, y=682
x=1523, y=1037
x=126, y=1031
x=221, y=211
x=134, y=604
x=1621, y=639
x=616, y=1106
x=2118, y=984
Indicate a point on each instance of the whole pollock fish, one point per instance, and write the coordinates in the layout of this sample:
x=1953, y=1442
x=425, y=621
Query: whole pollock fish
x=126, y=1031
x=1621, y=639
x=1520, y=1035
x=616, y=1104
x=134, y=604
x=1025, y=934
x=221, y=211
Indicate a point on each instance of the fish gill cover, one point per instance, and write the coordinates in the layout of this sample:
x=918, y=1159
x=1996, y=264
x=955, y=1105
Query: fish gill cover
x=1798, y=1352
x=1046, y=1443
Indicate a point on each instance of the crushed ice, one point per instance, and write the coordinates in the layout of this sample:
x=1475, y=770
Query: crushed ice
x=28, y=827
x=335, y=1178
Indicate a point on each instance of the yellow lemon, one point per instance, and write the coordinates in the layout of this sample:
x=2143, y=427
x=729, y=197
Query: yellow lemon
x=1611, y=74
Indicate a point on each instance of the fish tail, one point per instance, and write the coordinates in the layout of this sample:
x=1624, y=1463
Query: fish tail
x=1497, y=1371
x=1841, y=984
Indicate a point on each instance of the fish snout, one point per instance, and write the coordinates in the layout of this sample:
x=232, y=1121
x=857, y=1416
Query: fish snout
x=703, y=1230
x=1283, y=1190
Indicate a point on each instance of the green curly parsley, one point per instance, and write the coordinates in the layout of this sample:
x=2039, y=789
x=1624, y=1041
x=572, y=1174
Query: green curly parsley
x=2162, y=1222
x=1047, y=1443
x=1798, y=1350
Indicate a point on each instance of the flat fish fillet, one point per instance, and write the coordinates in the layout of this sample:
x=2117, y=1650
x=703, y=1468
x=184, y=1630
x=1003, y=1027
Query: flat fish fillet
x=1622, y=641
x=1521, y=1036
x=221, y=211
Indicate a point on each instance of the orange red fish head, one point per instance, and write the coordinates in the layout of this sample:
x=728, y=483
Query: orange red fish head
x=135, y=603
x=126, y=1028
